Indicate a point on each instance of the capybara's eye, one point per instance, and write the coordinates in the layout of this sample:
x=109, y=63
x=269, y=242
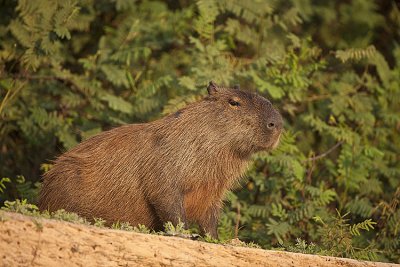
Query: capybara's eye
x=233, y=103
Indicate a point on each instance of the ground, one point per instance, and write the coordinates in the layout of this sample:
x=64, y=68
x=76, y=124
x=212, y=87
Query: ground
x=30, y=241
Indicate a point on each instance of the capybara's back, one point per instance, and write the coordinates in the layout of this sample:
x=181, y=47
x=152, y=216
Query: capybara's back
x=175, y=168
x=101, y=177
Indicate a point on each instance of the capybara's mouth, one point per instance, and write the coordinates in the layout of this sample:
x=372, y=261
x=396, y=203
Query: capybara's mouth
x=276, y=143
x=272, y=144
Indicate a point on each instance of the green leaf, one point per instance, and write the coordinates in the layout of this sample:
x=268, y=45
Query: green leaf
x=298, y=170
x=117, y=103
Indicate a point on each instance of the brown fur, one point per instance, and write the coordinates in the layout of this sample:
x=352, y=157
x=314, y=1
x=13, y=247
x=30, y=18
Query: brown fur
x=175, y=168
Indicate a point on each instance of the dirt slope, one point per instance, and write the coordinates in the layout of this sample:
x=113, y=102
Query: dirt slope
x=26, y=241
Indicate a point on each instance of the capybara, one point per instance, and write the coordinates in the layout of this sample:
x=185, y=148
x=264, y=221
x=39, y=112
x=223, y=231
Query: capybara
x=175, y=168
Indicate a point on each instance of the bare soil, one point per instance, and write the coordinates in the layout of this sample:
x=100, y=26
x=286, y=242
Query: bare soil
x=29, y=241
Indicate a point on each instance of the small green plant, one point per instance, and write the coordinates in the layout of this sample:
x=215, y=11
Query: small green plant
x=175, y=230
x=99, y=222
x=239, y=243
x=21, y=206
x=251, y=245
x=338, y=237
x=142, y=229
x=125, y=226
x=301, y=246
x=209, y=239
x=38, y=224
x=64, y=215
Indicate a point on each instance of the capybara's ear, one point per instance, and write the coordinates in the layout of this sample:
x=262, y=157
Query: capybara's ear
x=212, y=88
x=236, y=86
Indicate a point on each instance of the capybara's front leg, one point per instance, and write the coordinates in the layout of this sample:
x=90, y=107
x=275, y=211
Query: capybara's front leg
x=168, y=205
x=208, y=223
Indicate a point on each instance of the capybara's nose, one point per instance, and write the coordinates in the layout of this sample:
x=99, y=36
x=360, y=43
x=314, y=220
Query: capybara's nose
x=271, y=125
x=275, y=122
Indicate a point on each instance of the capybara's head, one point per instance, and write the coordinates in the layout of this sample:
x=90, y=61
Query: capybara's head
x=248, y=119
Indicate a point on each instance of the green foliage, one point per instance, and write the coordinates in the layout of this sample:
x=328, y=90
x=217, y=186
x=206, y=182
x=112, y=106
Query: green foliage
x=142, y=229
x=209, y=239
x=2, y=183
x=25, y=208
x=125, y=226
x=21, y=206
x=236, y=242
x=70, y=69
x=250, y=245
x=301, y=246
x=20, y=188
x=175, y=230
x=355, y=53
x=278, y=229
x=99, y=222
x=337, y=237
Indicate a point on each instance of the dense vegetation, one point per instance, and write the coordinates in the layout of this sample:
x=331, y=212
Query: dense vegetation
x=70, y=69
